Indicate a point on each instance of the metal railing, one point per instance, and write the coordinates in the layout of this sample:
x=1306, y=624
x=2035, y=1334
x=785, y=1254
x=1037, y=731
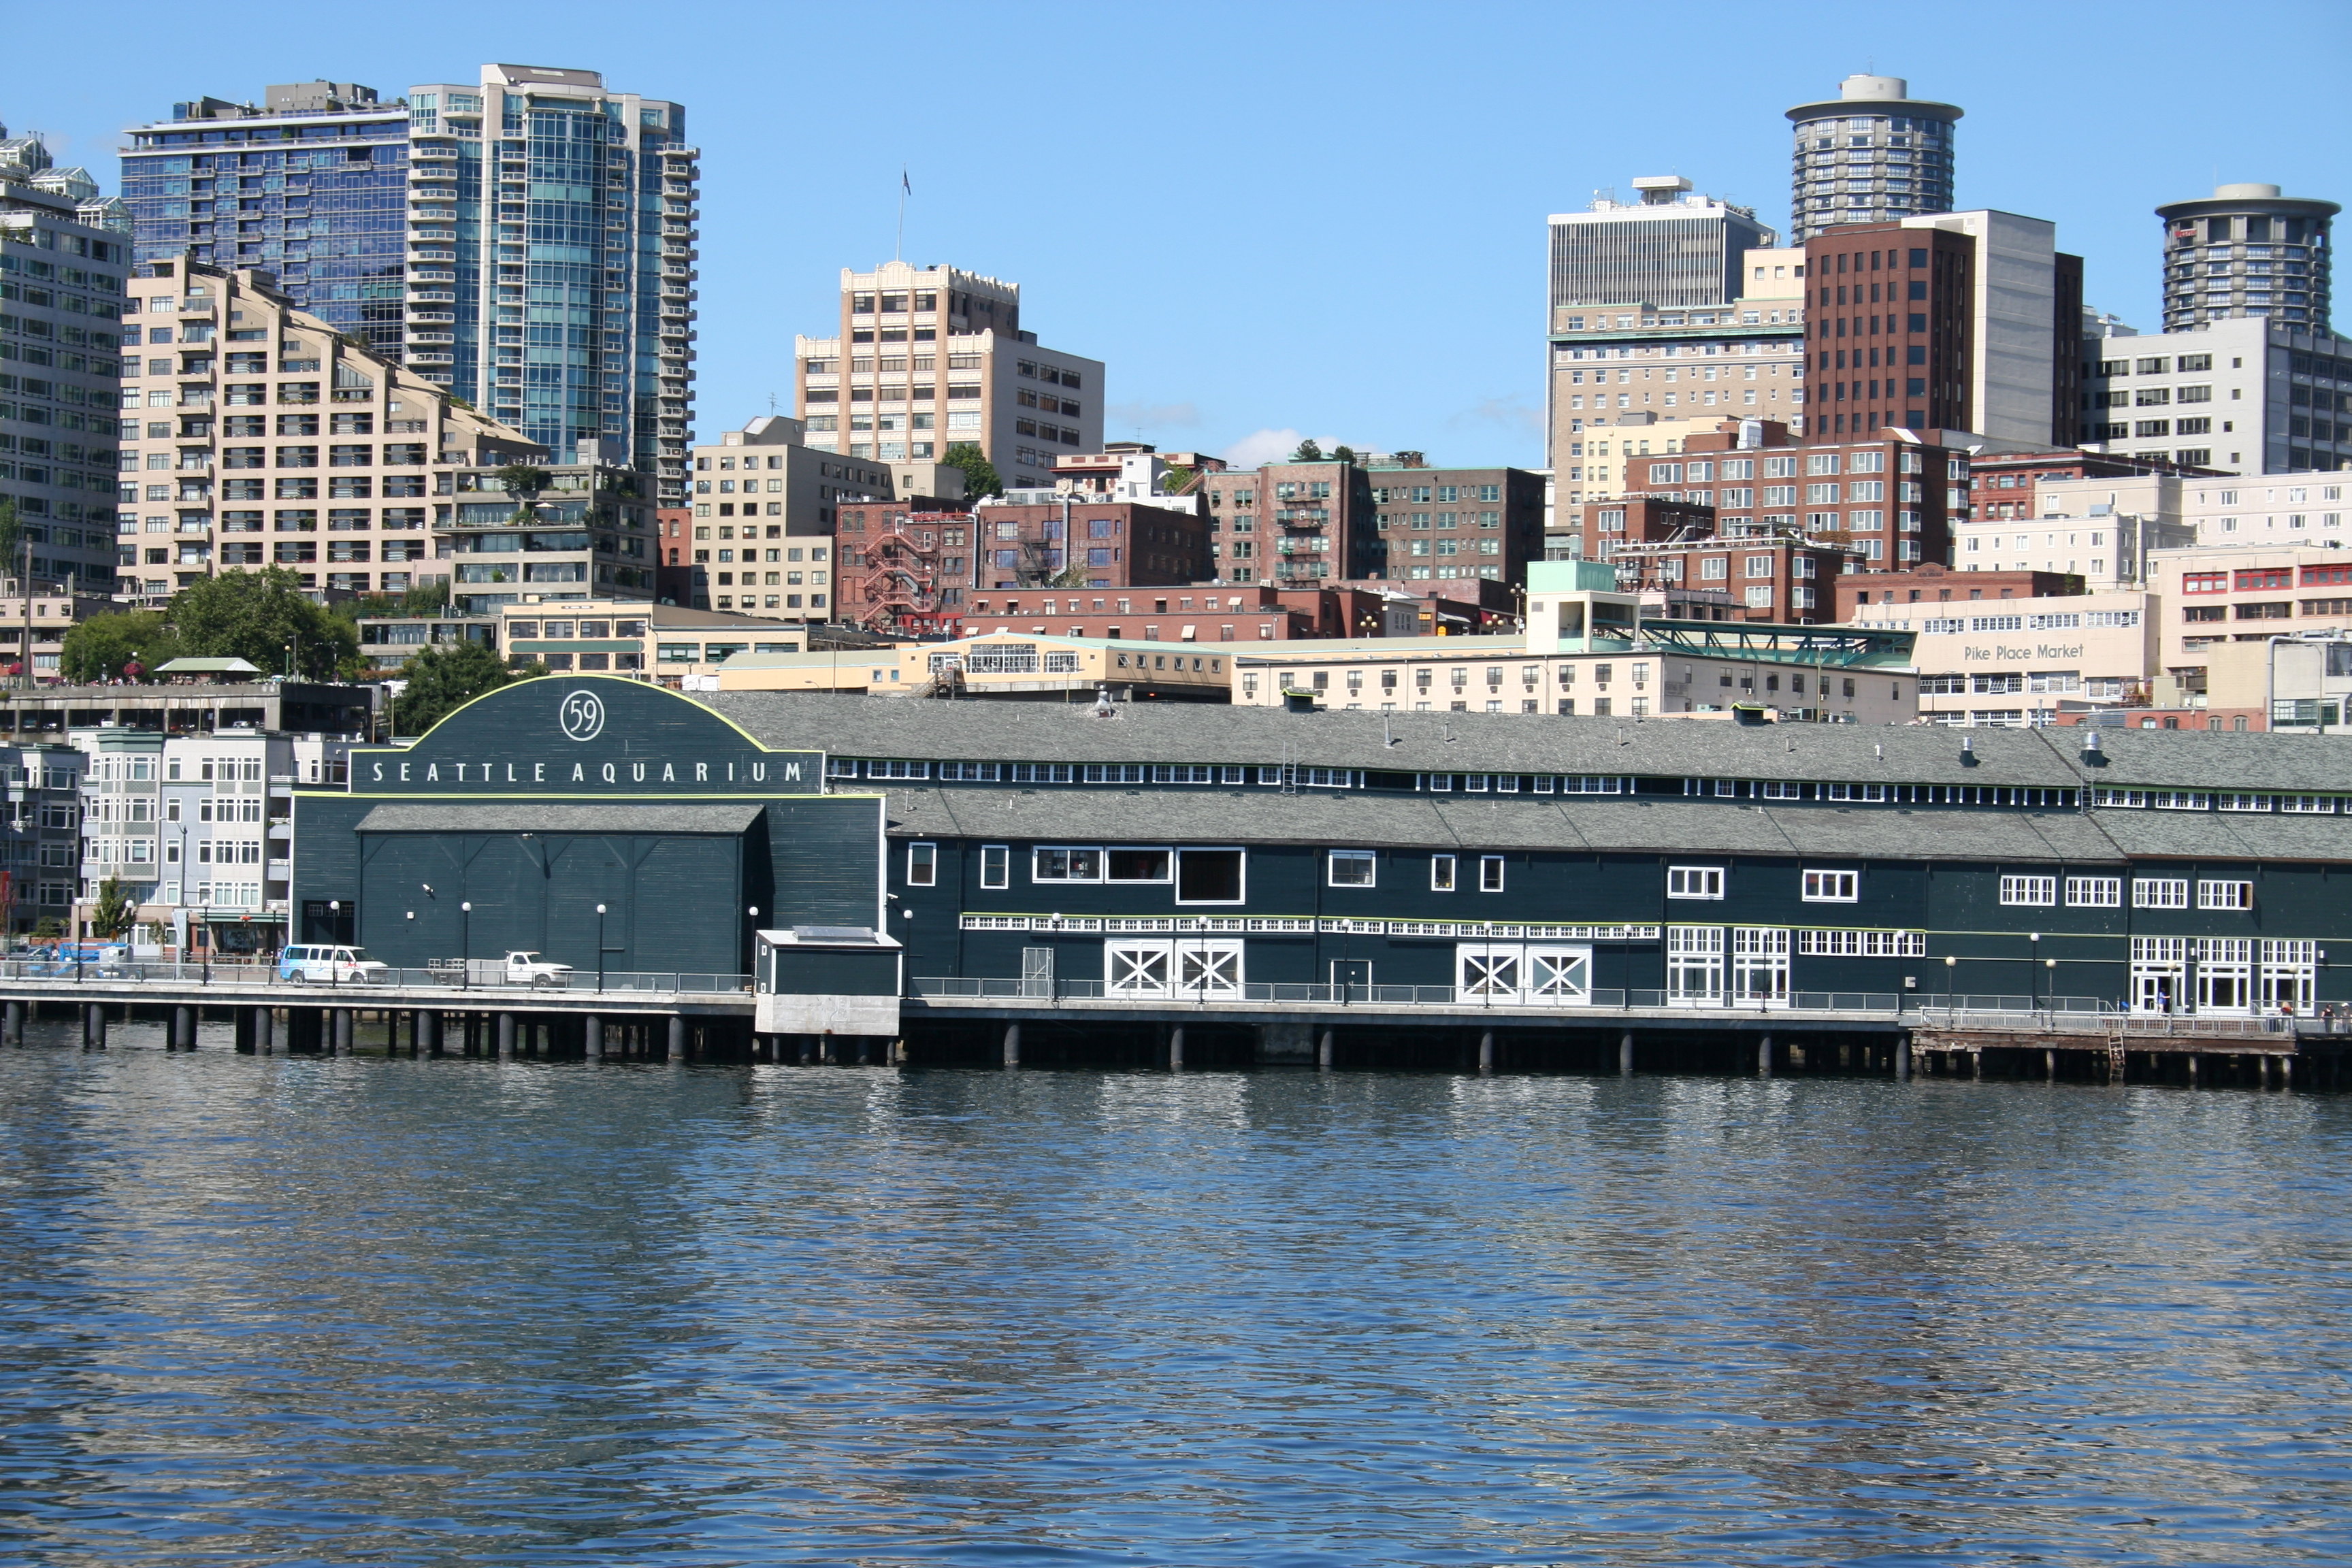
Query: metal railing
x=2115, y=1022
x=1885, y=1004
x=70, y=969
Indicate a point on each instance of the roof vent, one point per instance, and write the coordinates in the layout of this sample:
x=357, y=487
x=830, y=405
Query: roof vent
x=2093, y=757
x=1298, y=701
x=1104, y=706
x=1968, y=752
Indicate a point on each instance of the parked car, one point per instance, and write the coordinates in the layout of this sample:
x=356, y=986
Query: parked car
x=305, y=964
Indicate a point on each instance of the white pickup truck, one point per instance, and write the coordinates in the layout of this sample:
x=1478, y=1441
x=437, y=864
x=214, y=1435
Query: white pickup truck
x=514, y=969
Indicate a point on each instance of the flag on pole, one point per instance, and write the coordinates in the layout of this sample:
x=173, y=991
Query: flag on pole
x=903, y=185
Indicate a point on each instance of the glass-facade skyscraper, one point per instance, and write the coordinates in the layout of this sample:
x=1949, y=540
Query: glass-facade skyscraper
x=526, y=239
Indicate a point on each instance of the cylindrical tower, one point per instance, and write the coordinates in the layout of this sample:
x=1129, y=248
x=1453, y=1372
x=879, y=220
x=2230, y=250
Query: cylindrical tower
x=1869, y=155
x=2246, y=250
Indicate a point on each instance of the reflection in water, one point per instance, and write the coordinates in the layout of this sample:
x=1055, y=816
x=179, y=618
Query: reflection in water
x=272, y=1311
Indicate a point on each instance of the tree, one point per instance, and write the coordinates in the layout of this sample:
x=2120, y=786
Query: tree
x=980, y=477
x=443, y=680
x=12, y=537
x=522, y=481
x=114, y=911
x=426, y=598
x=1343, y=454
x=98, y=648
x=1308, y=452
x=262, y=617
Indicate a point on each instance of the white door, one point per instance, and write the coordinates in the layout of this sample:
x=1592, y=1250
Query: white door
x=1759, y=966
x=1695, y=967
x=1560, y=976
x=1208, y=967
x=2225, y=974
x=2290, y=970
x=2158, y=987
x=1138, y=968
x=1488, y=971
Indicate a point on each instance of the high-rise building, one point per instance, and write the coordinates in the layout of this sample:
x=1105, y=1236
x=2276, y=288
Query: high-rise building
x=1670, y=249
x=1871, y=155
x=310, y=186
x=64, y=270
x=1948, y=322
x=526, y=239
x=2246, y=250
x=936, y=358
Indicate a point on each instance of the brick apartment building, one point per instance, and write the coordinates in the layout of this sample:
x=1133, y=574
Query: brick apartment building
x=902, y=568
x=1455, y=524
x=2000, y=485
x=1292, y=522
x=1894, y=496
x=1784, y=580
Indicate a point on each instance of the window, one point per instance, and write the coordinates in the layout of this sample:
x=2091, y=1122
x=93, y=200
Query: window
x=994, y=865
x=1042, y=772
x=1054, y=863
x=1136, y=866
x=2160, y=892
x=1836, y=943
x=1832, y=886
x=1694, y=881
x=1351, y=868
x=1490, y=873
x=1441, y=873
x=2029, y=890
x=2094, y=893
x=2225, y=895
x=1209, y=876
x=922, y=865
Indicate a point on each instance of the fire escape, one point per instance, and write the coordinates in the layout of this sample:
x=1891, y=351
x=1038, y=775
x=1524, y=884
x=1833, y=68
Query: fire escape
x=901, y=583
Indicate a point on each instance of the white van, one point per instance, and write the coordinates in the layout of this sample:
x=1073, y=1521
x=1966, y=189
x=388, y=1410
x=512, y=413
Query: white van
x=329, y=965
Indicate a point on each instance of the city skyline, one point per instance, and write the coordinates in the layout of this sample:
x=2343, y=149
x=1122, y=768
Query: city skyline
x=1452, y=370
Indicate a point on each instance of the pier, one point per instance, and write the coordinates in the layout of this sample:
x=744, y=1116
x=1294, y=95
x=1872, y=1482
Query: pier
x=1040, y=1023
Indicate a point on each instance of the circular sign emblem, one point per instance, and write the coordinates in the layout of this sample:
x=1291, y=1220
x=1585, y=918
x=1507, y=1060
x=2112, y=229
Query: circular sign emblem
x=583, y=715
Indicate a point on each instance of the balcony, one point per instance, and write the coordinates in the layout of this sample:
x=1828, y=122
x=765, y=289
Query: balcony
x=449, y=316
x=433, y=337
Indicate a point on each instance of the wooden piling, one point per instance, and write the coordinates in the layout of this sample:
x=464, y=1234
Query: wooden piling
x=1487, y=1053
x=1625, y=1054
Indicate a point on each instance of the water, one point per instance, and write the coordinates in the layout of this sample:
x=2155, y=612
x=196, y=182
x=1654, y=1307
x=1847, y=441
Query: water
x=364, y=1311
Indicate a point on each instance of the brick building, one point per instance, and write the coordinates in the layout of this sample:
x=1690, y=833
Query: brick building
x=1454, y=525
x=1600, y=527
x=1293, y=523
x=902, y=569
x=1211, y=612
x=1893, y=495
x=1784, y=580
x=1114, y=544
x=1929, y=583
x=1957, y=321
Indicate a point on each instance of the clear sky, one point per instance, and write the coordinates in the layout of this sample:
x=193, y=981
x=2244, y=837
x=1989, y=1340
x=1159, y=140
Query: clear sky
x=1269, y=219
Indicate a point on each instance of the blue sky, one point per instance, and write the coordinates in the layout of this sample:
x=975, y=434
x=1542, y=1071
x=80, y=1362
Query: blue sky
x=1271, y=219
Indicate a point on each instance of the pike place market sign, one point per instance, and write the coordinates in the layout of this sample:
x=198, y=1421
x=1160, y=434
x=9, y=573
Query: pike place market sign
x=2003, y=653
x=571, y=735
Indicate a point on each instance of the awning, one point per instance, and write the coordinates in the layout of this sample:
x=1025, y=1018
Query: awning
x=539, y=817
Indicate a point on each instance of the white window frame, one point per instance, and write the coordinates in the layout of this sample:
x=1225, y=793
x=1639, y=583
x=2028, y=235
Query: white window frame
x=2029, y=890
x=1166, y=879
x=1832, y=886
x=2160, y=892
x=1445, y=874
x=922, y=864
x=1037, y=850
x=1176, y=871
x=1368, y=860
x=1491, y=874
x=2094, y=893
x=995, y=865
x=2227, y=893
x=1694, y=882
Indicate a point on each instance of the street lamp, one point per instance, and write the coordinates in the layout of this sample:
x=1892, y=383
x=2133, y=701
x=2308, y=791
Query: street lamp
x=599, y=950
x=466, y=940
x=2033, y=980
x=1951, y=968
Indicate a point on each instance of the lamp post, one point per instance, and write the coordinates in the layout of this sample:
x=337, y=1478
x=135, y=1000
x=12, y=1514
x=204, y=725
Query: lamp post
x=1951, y=967
x=465, y=941
x=599, y=950
x=2034, y=980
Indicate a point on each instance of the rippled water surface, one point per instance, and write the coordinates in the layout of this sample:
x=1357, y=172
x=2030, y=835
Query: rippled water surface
x=365, y=1312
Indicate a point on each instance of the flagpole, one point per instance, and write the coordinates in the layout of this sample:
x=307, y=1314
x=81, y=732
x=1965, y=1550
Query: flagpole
x=898, y=248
